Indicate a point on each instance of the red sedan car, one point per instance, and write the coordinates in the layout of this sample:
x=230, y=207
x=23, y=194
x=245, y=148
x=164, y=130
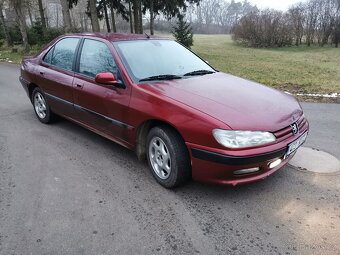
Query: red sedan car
x=158, y=98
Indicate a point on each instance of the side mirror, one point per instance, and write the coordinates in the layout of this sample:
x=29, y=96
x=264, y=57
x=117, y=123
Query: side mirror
x=106, y=79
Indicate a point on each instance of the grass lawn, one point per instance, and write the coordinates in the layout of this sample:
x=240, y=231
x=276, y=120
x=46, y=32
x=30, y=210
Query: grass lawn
x=8, y=55
x=295, y=69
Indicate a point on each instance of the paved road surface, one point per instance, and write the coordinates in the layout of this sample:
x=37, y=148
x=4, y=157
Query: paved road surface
x=65, y=190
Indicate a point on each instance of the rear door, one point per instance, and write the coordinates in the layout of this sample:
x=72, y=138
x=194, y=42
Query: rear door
x=56, y=75
x=100, y=106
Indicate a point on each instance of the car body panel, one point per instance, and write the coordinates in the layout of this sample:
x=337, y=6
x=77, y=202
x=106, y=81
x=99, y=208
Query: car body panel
x=57, y=84
x=241, y=104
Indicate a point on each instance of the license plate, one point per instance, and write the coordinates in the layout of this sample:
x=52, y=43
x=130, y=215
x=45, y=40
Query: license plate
x=296, y=144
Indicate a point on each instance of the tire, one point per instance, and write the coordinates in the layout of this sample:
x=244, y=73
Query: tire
x=41, y=107
x=168, y=157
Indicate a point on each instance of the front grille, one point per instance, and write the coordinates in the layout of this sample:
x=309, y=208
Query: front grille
x=287, y=132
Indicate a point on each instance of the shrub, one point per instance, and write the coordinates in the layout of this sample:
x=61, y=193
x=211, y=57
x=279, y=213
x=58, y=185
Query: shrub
x=266, y=28
x=183, y=32
x=37, y=35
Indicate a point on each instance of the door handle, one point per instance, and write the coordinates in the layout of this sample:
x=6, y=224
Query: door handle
x=80, y=85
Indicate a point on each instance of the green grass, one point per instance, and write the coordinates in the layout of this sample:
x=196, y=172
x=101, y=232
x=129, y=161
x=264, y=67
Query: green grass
x=295, y=69
x=6, y=54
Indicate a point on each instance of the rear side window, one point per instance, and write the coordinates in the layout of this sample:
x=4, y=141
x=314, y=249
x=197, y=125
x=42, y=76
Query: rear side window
x=62, y=54
x=96, y=58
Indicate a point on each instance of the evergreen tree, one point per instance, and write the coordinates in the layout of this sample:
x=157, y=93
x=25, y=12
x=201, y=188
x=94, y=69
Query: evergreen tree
x=183, y=32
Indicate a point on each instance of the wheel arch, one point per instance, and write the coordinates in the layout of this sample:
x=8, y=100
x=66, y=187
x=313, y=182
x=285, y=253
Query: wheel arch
x=31, y=88
x=142, y=132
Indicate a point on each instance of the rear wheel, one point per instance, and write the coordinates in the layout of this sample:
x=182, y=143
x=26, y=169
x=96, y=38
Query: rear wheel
x=41, y=107
x=168, y=157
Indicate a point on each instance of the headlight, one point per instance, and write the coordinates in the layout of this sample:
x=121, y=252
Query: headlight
x=241, y=139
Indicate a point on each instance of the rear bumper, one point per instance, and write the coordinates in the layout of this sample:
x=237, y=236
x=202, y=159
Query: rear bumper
x=219, y=167
x=24, y=84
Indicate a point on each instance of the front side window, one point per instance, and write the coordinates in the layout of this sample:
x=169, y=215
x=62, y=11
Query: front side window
x=146, y=58
x=96, y=58
x=62, y=54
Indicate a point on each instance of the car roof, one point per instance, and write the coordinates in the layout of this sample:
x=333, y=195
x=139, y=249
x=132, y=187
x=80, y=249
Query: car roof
x=116, y=36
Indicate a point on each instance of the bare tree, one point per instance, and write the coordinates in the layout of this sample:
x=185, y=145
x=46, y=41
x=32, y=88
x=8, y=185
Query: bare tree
x=4, y=26
x=312, y=15
x=336, y=31
x=297, y=19
x=20, y=13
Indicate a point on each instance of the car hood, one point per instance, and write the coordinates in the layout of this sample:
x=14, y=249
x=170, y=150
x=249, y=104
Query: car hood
x=239, y=103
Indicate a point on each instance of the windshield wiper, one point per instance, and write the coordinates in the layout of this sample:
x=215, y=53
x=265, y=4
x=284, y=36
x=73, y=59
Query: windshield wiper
x=199, y=72
x=161, y=77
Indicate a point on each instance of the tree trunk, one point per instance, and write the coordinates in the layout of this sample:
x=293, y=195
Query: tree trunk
x=130, y=18
x=152, y=18
x=66, y=16
x=81, y=20
x=94, y=16
x=140, y=16
x=4, y=26
x=113, y=20
x=42, y=15
x=22, y=24
x=73, y=20
x=30, y=14
x=85, y=23
x=106, y=18
x=57, y=15
x=136, y=15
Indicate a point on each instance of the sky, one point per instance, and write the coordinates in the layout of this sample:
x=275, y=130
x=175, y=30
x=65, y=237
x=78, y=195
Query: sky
x=282, y=5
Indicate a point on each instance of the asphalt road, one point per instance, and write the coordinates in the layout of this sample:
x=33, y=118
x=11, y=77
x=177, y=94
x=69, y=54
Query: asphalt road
x=65, y=190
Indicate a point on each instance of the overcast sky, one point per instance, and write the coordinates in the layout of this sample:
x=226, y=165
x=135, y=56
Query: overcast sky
x=282, y=5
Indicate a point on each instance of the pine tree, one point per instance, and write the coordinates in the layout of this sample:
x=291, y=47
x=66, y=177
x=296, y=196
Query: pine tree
x=183, y=32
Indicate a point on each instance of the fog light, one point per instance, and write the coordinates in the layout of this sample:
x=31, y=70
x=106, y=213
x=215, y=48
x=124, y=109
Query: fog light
x=247, y=171
x=275, y=163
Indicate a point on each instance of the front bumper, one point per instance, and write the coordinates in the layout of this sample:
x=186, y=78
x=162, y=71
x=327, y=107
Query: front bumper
x=218, y=167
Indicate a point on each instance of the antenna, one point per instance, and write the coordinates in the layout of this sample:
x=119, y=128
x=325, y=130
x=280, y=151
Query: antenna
x=147, y=36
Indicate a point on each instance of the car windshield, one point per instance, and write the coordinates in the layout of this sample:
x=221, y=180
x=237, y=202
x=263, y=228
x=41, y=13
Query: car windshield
x=159, y=60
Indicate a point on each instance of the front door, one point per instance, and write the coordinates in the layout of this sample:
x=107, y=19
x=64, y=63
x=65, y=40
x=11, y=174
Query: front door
x=103, y=107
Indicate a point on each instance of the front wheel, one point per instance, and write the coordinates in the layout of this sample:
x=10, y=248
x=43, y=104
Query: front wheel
x=41, y=107
x=168, y=157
